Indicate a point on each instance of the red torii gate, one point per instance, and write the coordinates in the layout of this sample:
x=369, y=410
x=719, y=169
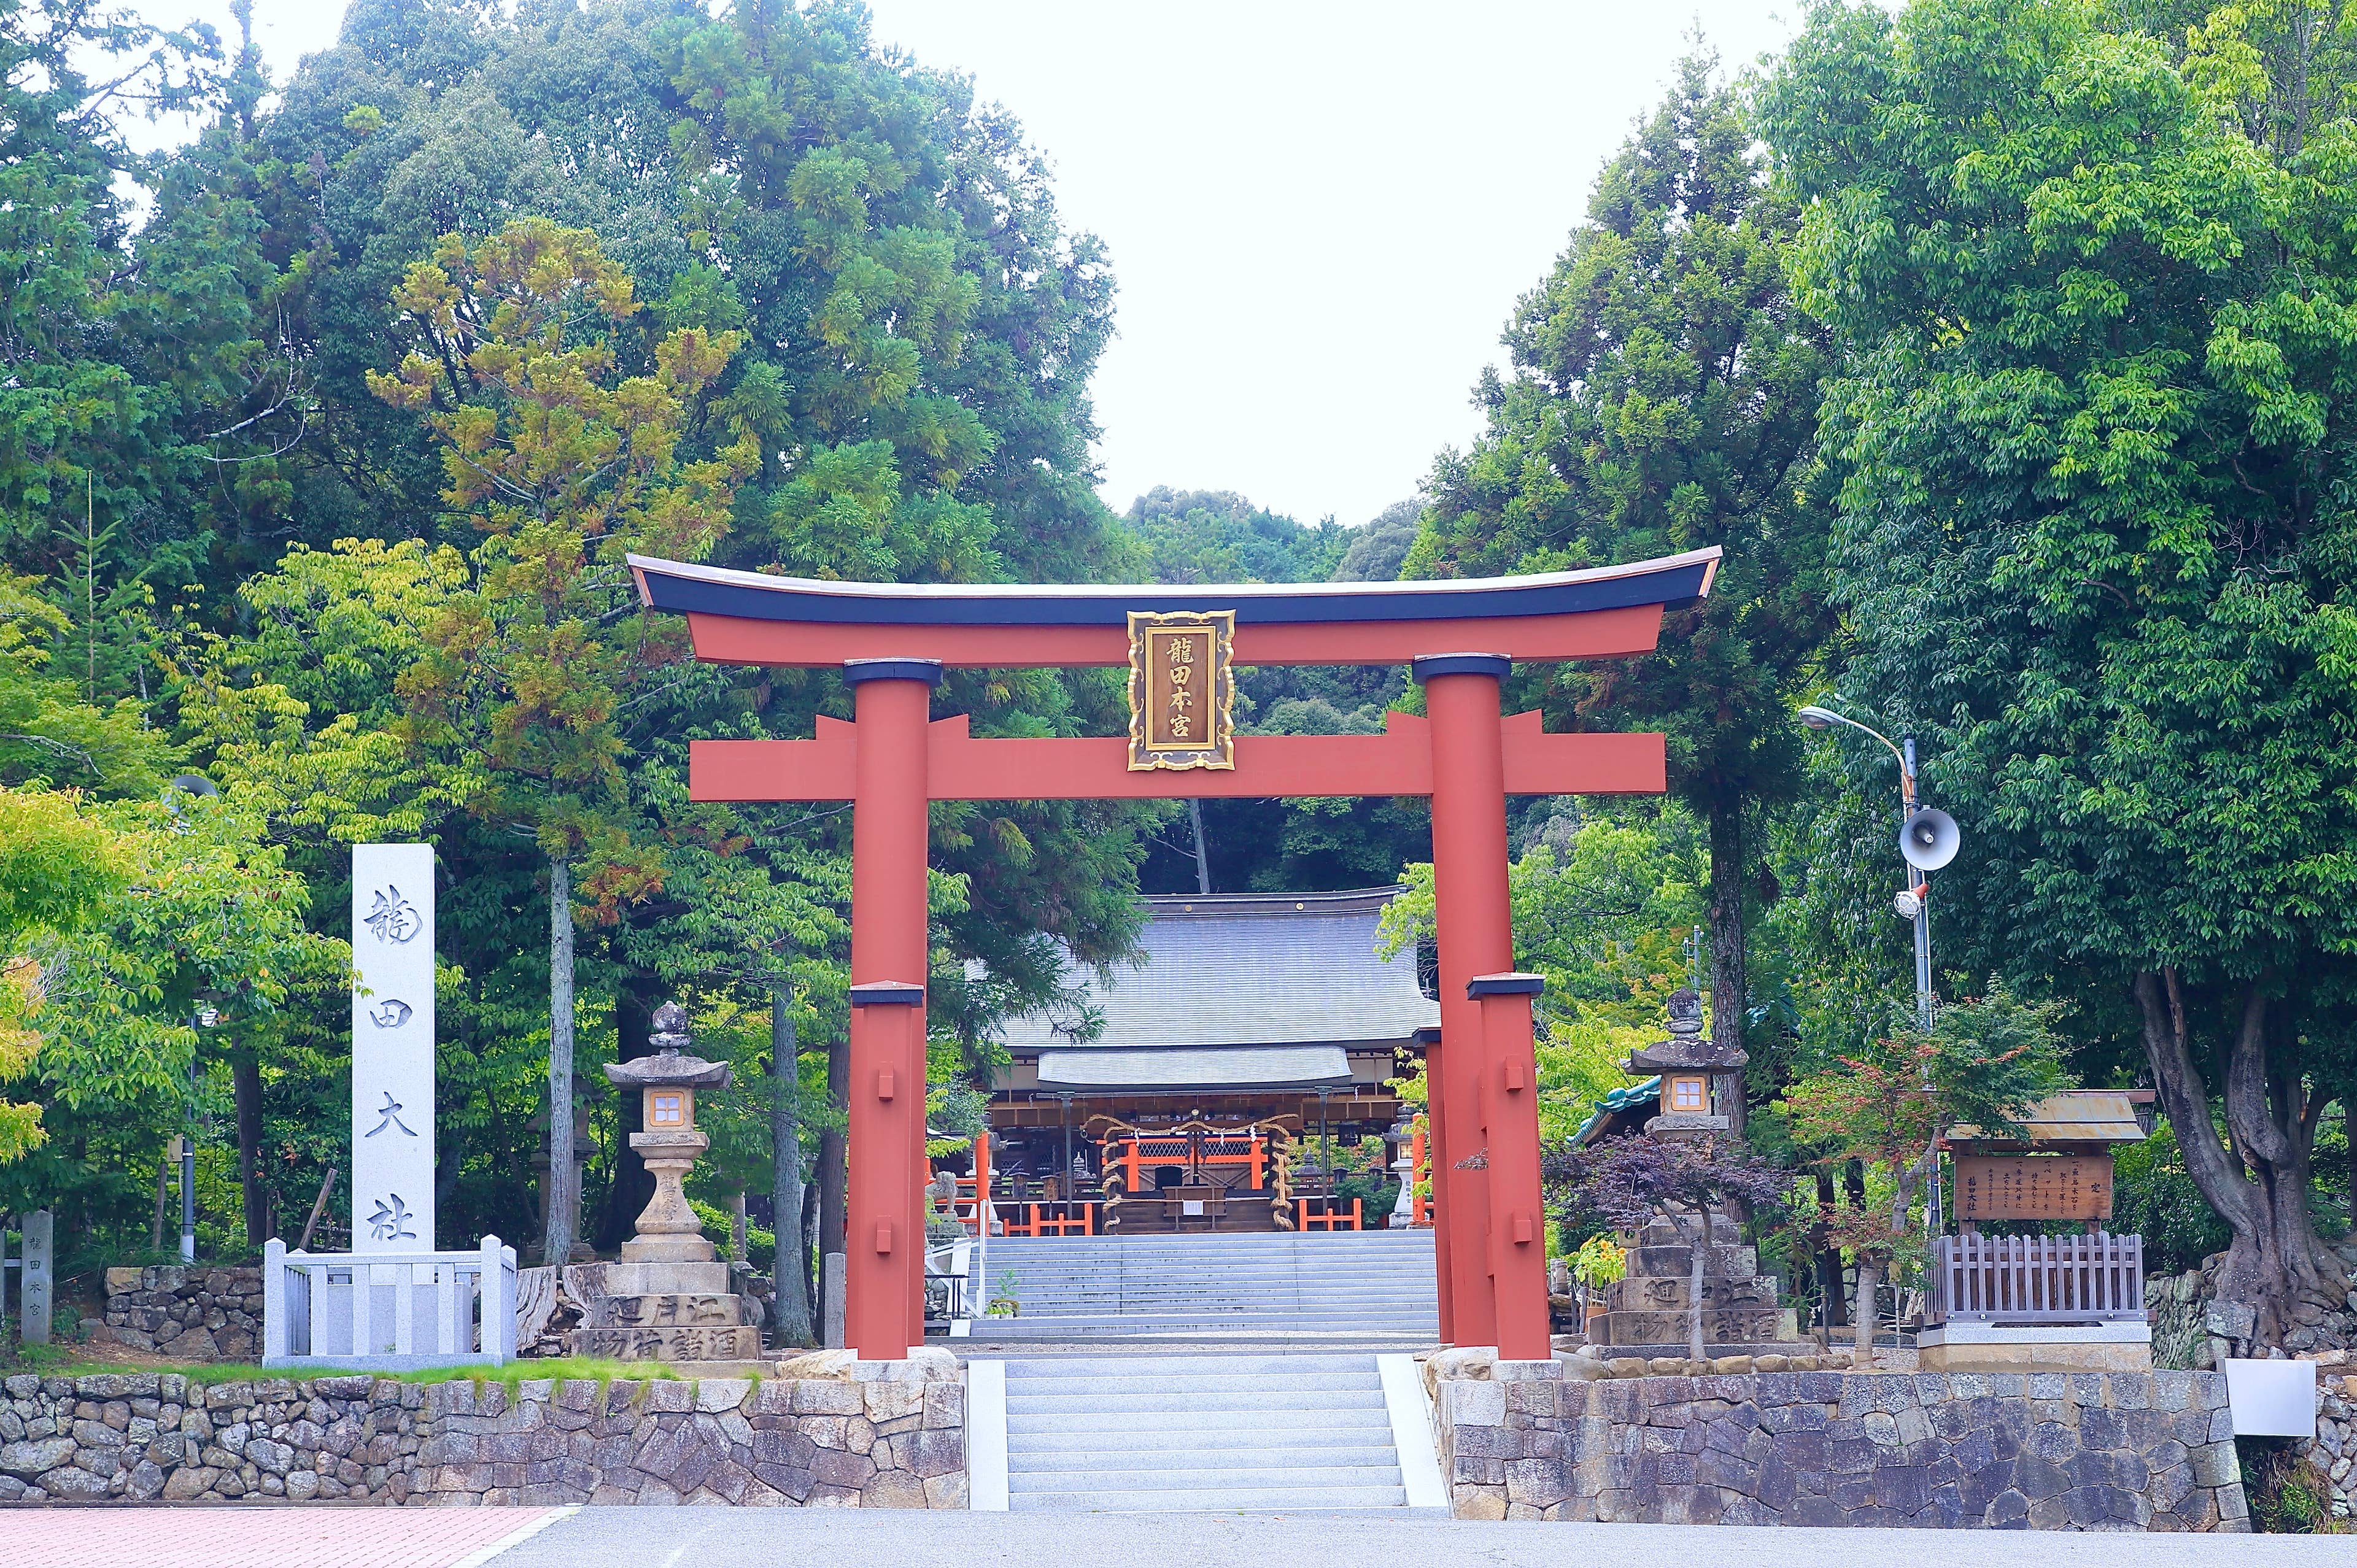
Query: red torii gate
x=892, y=641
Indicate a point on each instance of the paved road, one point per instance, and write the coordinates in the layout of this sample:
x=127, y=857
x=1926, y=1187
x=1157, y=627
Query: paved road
x=214, y=1537
x=209, y=1536
x=702, y=1538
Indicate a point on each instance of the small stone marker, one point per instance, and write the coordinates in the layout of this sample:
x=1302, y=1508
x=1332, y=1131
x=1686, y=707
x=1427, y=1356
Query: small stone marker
x=40, y=1272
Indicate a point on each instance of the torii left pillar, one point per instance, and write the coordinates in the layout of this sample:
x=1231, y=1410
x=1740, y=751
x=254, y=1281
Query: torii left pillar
x=884, y=1267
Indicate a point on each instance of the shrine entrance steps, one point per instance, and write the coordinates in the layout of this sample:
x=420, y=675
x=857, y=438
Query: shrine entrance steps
x=1139, y=1432
x=1370, y=1289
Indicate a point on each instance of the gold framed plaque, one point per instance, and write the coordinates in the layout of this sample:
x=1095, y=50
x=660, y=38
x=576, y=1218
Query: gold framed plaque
x=1182, y=690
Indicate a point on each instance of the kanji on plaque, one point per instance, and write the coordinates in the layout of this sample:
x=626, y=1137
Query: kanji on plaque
x=2033, y=1186
x=1181, y=690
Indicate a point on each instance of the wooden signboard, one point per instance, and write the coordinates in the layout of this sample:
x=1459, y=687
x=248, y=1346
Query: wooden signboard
x=2033, y=1186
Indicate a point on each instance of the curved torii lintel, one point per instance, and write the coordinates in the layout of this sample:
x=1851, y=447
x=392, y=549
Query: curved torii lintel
x=752, y=617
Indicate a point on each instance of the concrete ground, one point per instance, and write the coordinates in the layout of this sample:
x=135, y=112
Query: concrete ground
x=214, y=1537
x=664, y=1538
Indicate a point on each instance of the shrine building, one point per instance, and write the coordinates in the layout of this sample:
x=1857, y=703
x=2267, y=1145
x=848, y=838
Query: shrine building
x=1253, y=1033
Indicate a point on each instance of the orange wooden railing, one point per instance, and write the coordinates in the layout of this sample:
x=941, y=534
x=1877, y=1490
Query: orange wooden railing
x=1326, y=1214
x=1133, y=1154
x=1048, y=1219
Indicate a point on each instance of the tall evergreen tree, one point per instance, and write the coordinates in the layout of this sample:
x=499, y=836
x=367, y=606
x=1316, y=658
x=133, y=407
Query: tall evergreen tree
x=1664, y=398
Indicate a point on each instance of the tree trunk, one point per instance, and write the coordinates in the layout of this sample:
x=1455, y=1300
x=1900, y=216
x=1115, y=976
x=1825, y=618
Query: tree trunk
x=1829, y=1279
x=832, y=1192
x=792, y=1265
x=810, y=1274
x=2259, y=1186
x=632, y=1187
x=1870, y=1275
x=556, y=1243
x=1727, y=977
x=1202, y=857
x=1700, y=1249
x=245, y=1080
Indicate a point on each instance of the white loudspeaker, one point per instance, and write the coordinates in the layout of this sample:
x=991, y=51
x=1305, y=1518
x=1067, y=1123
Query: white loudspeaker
x=1929, y=839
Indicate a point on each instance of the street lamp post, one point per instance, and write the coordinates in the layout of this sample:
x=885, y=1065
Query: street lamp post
x=1927, y=841
x=1914, y=903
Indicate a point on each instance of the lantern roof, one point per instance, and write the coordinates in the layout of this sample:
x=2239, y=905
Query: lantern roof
x=671, y=1066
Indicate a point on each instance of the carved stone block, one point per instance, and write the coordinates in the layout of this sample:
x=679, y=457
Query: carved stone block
x=667, y=1344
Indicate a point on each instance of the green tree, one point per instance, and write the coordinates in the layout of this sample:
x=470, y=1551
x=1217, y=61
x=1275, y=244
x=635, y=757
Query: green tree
x=2091, y=436
x=1664, y=398
x=1604, y=906
x=1983, y=1063
x=566, y=462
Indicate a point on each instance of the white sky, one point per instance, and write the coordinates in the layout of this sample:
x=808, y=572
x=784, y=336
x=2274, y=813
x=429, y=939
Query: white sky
x=1320, y=214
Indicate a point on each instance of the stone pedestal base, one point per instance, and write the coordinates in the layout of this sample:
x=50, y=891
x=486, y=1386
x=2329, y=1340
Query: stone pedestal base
x=1712, y=1350
x=1993, y=1347
x=733, y=1343
x=669, y=1249
x=665, y=1311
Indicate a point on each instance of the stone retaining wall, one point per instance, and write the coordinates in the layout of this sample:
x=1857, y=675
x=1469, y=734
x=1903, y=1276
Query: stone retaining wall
x=2086, y=1451
x=2333, y=1450
x=813, y=1443
x=191, y=1314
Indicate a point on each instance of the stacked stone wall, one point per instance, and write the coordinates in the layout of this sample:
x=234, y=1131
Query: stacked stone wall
x=190, y=1314
x=785, y=1442
x=2086, y=1451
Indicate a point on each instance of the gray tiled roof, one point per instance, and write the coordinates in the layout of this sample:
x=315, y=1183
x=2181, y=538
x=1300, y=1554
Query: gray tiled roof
x=1201, y=1067
x=1256, y=969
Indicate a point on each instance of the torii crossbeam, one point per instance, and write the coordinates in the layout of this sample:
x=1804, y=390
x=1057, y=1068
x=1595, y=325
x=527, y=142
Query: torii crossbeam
x=892, y=641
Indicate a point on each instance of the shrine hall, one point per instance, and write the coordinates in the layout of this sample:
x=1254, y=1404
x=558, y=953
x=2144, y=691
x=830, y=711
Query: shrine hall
x=1209, y=1084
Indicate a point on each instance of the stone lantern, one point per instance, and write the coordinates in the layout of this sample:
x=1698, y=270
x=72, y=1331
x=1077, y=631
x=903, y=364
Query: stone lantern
x=1687, y=1063
x=669, y=1299
x=668, y=1230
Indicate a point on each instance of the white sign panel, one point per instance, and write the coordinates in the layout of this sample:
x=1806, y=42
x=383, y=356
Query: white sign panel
x=2271, y=1398
x=393, y=1048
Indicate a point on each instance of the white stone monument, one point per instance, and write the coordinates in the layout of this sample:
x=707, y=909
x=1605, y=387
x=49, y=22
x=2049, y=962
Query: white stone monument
x=393, y=1048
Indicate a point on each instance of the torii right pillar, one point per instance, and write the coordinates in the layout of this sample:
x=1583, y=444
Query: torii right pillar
x=1490, y=1244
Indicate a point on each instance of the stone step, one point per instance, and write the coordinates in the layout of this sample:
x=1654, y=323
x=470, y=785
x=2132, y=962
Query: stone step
x=1211, y=1330
x=1244, y=1475
x=1179, y=1366
x=1262, y=1424
x=1021, y=1401
x=1057, y=1445
x=1309, y=1385
x=1217, y=1499
x=1233, y=1319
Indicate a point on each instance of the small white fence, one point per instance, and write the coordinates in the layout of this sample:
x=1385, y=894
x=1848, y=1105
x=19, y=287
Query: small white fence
x=388, y=1311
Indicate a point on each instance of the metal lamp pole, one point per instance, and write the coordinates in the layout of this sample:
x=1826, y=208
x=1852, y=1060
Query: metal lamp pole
x=1915, y=904
x=1920, y=916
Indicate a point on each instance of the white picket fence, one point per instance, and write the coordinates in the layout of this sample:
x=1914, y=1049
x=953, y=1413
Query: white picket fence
x=388, y=1311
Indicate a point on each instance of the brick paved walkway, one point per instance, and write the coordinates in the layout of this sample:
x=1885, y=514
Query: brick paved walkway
x=260, y=1538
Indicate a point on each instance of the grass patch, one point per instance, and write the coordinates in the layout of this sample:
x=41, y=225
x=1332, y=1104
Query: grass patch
x=55, y=1362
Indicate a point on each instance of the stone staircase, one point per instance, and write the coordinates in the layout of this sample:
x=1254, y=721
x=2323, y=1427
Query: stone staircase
x=1367, y=1289
x=1285, y=1433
